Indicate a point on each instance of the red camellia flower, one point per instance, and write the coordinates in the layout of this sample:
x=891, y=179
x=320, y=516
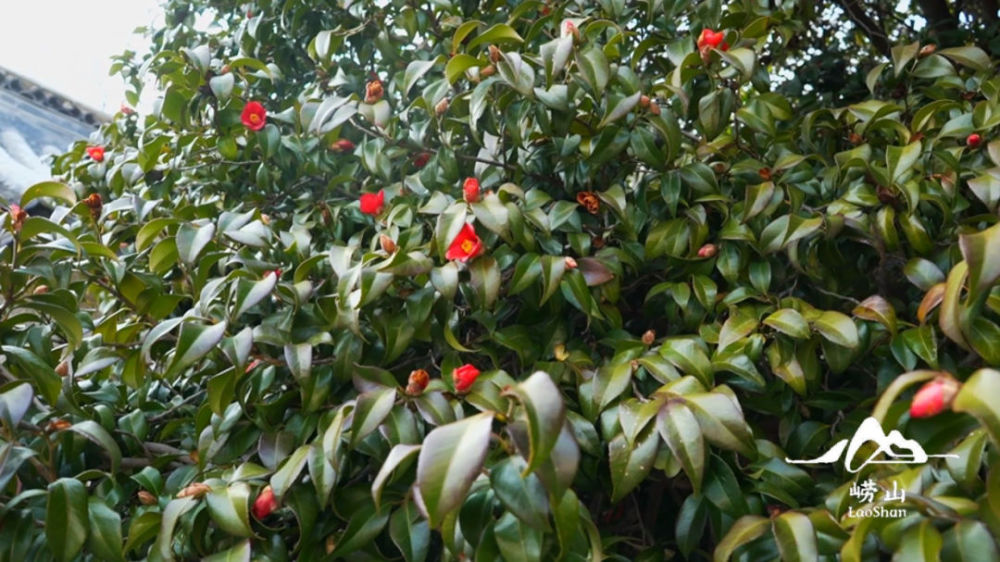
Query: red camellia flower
x=464, y=376
x=265, y=503
x=934, y=397
x=973, y=140
x=470, y=190
x=372, y=203
x=465, y=246
x=254, y=116
x=96, y=152
x=710, y=39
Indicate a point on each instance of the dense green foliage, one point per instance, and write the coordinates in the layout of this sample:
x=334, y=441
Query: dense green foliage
x=690, y=271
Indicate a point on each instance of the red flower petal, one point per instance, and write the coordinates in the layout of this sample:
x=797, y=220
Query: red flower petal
x=465, y=246
x=372, y=203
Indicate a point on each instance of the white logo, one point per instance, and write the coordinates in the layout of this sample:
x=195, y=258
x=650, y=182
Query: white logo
x=871, y=431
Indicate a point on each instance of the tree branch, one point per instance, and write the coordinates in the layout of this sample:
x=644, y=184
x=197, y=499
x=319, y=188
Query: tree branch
x=939, y=18
x=856, y=12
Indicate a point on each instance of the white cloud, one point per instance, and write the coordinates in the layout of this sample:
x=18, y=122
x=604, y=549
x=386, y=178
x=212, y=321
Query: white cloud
x=67, y=45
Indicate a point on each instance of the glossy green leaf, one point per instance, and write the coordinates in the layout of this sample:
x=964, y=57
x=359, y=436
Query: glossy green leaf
x=66, y=518
x=450, y=459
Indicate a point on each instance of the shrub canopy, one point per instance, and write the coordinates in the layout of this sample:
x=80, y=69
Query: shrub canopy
x=676, y=267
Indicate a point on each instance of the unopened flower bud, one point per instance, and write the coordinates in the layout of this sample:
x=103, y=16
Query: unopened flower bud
x=196, y=490
x=654, y=108
x=927, y=50
x=470, y=190
x=40, y=290
x=570, y=263
x=58, y=424
x=569, y=28
x=441, y=107
x=934, y=397
x=973, y=140
x=266, y=219
x=95, y=204
x=373, y=91
x=387, y=244
x=464, y=377
x=420, y=160
x=146, y=498
x=707, y=251
x=17, y=217
x=418, y=381
x=644, y=101
x=62, y=369
x=648, y=337
x=487, y=71
x=265, y=503
x=342, y=145
x=560, y=352
x=764, y=173
x=494, y=53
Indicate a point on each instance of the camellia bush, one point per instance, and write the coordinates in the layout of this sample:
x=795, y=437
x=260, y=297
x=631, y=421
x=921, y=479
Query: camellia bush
x=517, y=281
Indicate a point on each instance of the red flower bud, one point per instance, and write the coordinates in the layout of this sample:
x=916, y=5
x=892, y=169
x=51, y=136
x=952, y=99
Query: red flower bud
x=934, y=397
x=644, y=101
x=265, y=503
x=569, y=28
x=96, y=153
x=495, y=53
x=253, y=364
x=974, y=140
x=420, y=160
x=570, y=262
x=373, y=203
x=17, y=217
x=254, y=116
x=342, y=145
x=464, y=376
x=470, y=190
x=419, y=379
x=707, y=251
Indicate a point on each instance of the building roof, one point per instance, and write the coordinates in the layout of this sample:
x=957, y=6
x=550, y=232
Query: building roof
x=35, y=123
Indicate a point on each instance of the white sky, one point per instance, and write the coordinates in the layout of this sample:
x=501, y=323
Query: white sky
x=66, y=45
